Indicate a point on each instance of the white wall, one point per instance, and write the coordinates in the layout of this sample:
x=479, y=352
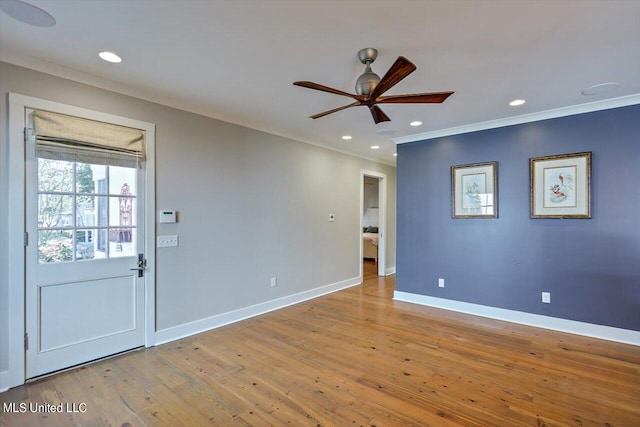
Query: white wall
x=243, y=197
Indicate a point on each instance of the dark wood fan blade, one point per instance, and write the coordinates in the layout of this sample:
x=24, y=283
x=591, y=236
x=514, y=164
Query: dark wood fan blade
x=317, y=116
x=316, y=86
x=415, y=98
x=398, y=71
x=378, y=115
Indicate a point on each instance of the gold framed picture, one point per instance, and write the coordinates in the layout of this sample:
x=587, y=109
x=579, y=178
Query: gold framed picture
x=474, y=190
x=561, y=186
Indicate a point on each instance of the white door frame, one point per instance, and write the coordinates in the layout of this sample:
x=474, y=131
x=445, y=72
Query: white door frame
x=382, y=226
x=16, y=373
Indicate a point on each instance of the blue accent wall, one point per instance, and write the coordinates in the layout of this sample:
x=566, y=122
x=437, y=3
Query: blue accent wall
x=590, y=266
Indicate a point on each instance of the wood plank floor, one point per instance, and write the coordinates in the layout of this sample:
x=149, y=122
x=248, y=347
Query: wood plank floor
x=352, y=358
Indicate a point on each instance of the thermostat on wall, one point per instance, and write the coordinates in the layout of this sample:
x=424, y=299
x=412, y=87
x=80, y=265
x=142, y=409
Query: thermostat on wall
x=167, y=217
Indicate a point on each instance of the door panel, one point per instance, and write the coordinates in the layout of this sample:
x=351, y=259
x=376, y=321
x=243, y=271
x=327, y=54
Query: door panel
x=73, y=313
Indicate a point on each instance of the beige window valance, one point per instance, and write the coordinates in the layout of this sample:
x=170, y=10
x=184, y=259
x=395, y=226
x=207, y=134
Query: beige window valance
x=63, y=137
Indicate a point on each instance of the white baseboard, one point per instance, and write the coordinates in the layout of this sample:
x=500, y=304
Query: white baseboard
x=562, y=325
x=390, y=270
x=198, y=326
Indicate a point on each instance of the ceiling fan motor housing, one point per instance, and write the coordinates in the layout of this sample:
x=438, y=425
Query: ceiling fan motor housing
x=367, y=82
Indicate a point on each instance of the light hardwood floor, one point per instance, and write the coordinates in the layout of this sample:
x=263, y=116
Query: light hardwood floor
x=352, y=358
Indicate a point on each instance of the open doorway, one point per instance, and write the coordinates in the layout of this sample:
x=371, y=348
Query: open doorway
x=372, y=221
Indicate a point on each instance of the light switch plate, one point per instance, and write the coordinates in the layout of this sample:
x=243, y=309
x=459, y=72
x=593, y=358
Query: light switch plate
x=167, y=241
x=332, y=217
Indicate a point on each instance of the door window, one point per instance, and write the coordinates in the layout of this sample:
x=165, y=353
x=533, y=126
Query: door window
x=85, y=211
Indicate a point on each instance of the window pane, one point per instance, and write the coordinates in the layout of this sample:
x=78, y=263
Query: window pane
x=55, y=246
x=91, y=211
x=55, y=176
x=85, y=211
x=122, y=180
x=87, y=176
x=122, y=242
x=85, y=244
x=55, y=211
x=122, y=211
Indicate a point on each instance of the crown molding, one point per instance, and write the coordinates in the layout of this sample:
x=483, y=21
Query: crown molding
x=606, y=104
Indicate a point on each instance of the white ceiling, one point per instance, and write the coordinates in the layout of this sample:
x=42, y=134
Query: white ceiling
x=237, y=60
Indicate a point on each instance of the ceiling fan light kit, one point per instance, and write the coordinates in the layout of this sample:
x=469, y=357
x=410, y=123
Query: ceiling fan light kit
x=370, y=87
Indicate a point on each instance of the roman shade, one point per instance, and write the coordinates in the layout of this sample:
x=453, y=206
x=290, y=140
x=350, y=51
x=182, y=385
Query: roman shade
x=63, y=137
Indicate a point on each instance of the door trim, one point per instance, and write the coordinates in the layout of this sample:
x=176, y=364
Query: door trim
x=16, y=373
x=382, y=226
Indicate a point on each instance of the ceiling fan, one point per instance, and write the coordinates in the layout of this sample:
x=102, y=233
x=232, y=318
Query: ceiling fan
x=370, y=87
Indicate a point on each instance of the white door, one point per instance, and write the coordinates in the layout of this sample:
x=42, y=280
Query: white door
x=84, y=299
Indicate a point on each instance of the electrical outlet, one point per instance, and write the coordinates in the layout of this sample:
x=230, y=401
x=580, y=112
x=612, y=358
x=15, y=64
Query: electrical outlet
x=274, y=282
x=441, y=283
x=546, y=297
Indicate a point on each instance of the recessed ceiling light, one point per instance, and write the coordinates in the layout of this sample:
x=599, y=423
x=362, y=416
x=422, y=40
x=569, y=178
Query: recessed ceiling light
x=27, y=13
x=346, y=137
x=415, y=123
x=375, y=147
x=600, y=88
x=517, y=102
x=110, y=57
x=395, y=154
